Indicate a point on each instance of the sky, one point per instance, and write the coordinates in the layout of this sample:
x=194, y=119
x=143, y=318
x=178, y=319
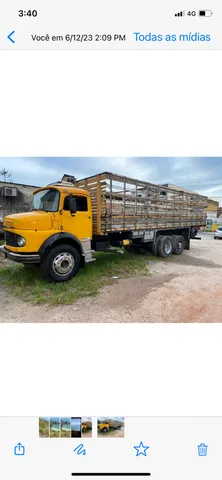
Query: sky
x=117, y=419
x=76, y=423
x=200, y=174
x=55, y=419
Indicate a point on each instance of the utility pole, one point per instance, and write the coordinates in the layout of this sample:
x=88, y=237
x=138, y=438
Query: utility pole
x=5, y=173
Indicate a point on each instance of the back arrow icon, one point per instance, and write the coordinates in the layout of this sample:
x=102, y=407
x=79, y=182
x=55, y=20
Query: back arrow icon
x=10, y=36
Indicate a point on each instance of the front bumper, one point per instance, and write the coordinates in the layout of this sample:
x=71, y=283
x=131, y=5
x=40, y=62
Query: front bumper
x=19, y=257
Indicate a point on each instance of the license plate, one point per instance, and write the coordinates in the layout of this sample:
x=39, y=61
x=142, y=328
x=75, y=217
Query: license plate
x=148, y=235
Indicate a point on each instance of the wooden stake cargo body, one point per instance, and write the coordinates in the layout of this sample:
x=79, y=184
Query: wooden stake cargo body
x=120, y=203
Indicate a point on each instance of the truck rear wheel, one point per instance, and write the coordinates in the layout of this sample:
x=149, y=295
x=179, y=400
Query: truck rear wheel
x=61, y=263
x=165, y=246
x=178, y=244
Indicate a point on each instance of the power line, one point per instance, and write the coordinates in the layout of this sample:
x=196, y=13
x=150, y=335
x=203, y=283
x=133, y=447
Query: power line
x=204, y=180
x=204, y=185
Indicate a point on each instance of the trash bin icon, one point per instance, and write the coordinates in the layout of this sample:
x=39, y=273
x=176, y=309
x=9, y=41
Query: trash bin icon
x=202, y=450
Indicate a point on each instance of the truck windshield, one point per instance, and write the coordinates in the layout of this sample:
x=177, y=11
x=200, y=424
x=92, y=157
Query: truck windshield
x=46, y=200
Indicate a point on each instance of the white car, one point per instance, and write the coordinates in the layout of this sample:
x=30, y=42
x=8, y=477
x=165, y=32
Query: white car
x=218, y=233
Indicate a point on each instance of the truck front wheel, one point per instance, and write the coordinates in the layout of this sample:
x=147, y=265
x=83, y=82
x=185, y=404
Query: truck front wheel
x=61, y=263
x=165, y=246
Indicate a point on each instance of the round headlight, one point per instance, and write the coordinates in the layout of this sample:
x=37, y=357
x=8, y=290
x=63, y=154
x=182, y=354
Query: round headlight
x=21, y=241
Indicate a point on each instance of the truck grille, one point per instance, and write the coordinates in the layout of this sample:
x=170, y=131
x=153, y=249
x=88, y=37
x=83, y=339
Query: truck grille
x=11, y=239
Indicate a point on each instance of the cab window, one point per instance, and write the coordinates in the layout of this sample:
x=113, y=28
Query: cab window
x=81, y=203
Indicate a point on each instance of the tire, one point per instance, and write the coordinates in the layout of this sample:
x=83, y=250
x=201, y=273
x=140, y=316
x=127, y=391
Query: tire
x=154, y=247
x=105, y=430
x=178, y=244
x=61, y=264
x=165, y=246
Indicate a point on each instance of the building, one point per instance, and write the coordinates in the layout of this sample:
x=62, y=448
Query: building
x=219, y=213
x=212, y=215
x=68, y=178
x=163, y=193
x=15, y=198
x=175, y=187
x=212, y=208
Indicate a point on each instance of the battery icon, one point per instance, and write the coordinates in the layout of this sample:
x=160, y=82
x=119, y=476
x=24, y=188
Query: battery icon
x=205, y=13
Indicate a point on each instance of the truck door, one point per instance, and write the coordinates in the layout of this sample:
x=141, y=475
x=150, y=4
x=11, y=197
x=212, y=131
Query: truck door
x=79, y=224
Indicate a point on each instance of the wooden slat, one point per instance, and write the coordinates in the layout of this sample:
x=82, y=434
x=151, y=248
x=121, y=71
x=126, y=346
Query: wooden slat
x=116, y=205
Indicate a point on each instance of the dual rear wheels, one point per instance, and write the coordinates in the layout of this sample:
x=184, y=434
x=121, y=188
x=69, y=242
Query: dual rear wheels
x=167, y=245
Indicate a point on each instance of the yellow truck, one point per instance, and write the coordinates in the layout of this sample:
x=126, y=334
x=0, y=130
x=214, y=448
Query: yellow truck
x=67, y=223
x=106, y=426
x=86, y=426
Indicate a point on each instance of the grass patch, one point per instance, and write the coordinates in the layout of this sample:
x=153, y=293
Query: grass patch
x=29, y=285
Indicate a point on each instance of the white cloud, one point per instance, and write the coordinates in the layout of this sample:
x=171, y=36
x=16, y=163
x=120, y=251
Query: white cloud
x=181, y=171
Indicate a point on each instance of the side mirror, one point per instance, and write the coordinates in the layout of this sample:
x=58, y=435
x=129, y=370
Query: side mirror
x=72, y=205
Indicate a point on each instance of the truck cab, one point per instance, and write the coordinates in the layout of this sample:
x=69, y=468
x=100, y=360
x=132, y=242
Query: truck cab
x=109, y=425
x=104, y=426
x=55, y=234
x=84, y=427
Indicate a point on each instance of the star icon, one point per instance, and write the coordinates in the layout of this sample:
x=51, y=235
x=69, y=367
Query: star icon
x=141, y=449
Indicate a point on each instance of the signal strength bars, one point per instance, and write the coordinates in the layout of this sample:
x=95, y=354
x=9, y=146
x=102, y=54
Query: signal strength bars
x=180, y=14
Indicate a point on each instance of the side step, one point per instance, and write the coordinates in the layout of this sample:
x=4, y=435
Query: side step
x=88, y=256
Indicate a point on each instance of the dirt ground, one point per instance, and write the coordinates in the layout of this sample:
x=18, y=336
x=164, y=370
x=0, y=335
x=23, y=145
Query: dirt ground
x=187, y=288
x=112, y=433
x=87, y=434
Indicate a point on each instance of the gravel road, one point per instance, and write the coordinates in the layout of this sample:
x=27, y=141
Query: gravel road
x=112, y=434
x=187, y=288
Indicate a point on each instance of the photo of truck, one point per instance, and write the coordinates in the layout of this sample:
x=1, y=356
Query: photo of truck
x=111, y=427
x=86, y=427
x=68, y=223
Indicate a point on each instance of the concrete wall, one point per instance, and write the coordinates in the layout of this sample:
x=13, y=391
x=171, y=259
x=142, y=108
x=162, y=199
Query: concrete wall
x=20, y=203
x=212, y=205
x=211, y=214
